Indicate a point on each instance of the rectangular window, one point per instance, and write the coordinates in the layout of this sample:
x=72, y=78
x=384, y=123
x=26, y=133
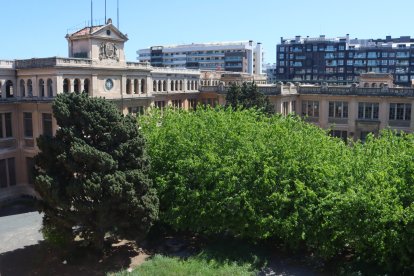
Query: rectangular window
x=28, y=124
x=342, y=134
x=12, y=171
x=293, y=106
x=338, y=110
x=177, y=103
x=47, y=124
x=159, y=104
x=400, y=111
x=368, y=111
x=7, y=172
x=310, y=108
x=3, y=173
x=285, y=108
x=8, y=125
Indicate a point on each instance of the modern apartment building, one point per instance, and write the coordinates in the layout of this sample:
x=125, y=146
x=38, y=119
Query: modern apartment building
x=243, y=56
x=342, y=60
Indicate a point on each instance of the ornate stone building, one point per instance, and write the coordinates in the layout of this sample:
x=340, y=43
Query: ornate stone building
x=96, y=65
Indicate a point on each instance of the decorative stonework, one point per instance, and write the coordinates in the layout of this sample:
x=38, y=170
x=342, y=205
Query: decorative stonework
x=108, y=50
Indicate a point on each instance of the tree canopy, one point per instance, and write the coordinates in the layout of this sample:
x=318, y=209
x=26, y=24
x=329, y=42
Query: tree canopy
x=247, y=95
x=93, y=175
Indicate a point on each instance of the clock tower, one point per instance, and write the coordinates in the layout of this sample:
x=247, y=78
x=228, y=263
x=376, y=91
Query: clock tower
x=103, y=44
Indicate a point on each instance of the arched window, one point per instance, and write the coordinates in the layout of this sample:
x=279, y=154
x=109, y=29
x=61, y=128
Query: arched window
x=154, y=86
x=164, y=85
x=22, y=88
x=172, y=85
x=176, y=85
x=76, y=85
x=49, y=88
x=159, y=85
x=181, y=85
x=208, y=83
x=41, y=88
x=128, y=86
x=374, y=85
x=136, y=86
x=9, y=89
x=86, y=86
x=366, y=85
x=29, y=88
x=66, y=86
x=142, y=86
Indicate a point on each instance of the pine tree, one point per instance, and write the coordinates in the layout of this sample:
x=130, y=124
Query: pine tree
x=93, y=175
x=248, y=96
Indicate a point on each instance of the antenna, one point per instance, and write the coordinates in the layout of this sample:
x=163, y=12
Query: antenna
x=105, y=11
x=91, y=13
x=117, y=12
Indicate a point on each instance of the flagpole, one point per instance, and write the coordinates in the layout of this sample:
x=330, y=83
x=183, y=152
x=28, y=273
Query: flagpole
x=117, y=11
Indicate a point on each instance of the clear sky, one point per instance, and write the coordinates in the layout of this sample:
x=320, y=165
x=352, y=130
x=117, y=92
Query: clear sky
x=36, y=28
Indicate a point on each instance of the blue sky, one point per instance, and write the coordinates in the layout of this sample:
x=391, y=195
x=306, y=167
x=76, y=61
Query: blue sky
x=37, y=28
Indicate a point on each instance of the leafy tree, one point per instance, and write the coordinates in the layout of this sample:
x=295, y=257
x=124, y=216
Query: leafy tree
x=93, y=175
x=260, y=177
x=247, y=96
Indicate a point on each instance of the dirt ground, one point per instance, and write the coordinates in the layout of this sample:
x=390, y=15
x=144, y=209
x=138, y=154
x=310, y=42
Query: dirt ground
x=41, y=259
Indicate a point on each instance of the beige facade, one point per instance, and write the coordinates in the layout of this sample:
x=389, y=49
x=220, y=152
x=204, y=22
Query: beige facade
x=96, y=65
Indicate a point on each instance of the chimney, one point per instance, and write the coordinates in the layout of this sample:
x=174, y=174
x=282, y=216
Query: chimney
x=297, y=38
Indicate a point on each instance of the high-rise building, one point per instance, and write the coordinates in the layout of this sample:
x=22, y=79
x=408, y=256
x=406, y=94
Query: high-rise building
x=243, y=56
x=342, y=60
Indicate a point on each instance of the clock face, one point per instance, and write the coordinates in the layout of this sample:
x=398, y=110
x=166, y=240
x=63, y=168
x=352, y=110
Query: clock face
x=109, y=84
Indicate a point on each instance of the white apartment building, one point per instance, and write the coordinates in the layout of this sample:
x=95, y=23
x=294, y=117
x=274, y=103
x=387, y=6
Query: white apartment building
x=237, y=56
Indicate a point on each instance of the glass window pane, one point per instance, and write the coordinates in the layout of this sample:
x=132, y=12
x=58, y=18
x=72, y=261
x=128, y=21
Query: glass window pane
x=28, y=124
x=47, y=124
x=12, y=171
x=408, y=112
x=3, y=173
x=8, y=123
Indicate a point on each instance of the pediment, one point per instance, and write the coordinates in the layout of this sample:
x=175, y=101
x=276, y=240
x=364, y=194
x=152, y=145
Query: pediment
x=109, y=31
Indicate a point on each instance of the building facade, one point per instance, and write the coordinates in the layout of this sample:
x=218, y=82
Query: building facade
x=243, y=56
x=97, y=66
x=342, y=60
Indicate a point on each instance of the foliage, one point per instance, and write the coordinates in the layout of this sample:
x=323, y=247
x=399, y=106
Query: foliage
x=93, y=175
x=247, y=96
x=249, y=175
x=160, y=265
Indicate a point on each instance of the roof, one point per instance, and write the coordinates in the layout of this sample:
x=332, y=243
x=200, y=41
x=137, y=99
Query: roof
x=87, y=30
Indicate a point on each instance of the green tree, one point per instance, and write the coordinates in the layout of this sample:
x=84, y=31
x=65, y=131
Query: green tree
x=93, y=175
x=247, y=96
